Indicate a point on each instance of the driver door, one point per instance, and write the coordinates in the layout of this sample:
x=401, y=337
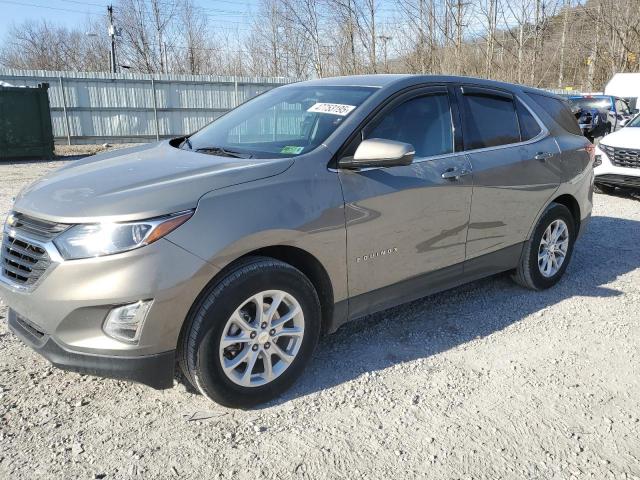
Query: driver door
x=407, y=225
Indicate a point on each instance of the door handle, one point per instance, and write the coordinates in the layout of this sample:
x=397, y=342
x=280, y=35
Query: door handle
x=542, y=156
x=454, y=173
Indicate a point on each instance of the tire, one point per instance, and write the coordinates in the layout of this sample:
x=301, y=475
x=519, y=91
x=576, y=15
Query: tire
x=529, y=272
x=205, y=362
x=604, y=189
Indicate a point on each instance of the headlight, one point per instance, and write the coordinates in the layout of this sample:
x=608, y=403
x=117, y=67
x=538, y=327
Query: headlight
x=96, y=240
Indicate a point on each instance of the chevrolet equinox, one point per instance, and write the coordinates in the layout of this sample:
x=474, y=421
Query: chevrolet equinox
x=231, y=250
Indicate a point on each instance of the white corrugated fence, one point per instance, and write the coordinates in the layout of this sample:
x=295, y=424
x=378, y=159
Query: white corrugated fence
x=127, y=107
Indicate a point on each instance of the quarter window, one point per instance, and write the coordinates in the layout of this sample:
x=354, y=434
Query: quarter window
x=424, y=122
x=489, y=121
x=559, y=111
x=529, y=127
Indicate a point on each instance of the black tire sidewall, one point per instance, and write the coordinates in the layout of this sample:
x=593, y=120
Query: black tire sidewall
x=554, y=212
x=206, y=368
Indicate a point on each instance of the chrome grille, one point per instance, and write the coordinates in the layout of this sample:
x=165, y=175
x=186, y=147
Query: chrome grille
x=42, y=229
x=622, y=157
x=23, y=258
x=23, y=262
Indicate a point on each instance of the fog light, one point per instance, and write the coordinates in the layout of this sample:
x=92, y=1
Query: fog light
x=125, y=323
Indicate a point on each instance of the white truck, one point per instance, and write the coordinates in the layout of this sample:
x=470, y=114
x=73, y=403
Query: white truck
x=627, y=86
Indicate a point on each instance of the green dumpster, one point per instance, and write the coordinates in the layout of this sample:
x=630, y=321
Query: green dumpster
x=25, y=122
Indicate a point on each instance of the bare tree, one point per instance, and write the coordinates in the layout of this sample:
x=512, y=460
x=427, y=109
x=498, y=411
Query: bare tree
x=43, y=45
x=553, y=43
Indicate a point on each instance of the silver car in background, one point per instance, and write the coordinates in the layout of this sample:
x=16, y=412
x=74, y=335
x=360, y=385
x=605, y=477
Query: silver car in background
x=230, y=251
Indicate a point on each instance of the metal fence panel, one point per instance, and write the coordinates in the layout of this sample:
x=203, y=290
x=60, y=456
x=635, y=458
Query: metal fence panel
x=96, y=107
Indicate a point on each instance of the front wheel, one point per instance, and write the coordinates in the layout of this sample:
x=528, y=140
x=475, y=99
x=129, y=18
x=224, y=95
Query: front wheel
x=252, y=334
x=546, y=254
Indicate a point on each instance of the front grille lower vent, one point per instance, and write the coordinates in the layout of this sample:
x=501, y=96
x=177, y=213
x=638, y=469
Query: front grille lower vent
x=622, y=157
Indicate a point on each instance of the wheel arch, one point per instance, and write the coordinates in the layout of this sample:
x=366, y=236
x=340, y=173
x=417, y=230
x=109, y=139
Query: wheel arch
x=304, y=261
x=309, y=265
x=566, y=199
x=572, y=204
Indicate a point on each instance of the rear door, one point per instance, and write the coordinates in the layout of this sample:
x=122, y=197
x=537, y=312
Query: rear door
x=515, y=164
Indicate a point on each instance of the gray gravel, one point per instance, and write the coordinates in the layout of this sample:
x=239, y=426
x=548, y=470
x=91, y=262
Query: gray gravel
x=484, y=381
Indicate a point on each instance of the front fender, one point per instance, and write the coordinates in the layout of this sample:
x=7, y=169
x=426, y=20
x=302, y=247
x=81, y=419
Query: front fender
x=302, y=207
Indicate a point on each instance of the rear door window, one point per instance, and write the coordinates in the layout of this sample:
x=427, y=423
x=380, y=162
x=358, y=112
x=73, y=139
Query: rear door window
x=559, y=111
x=489, y=119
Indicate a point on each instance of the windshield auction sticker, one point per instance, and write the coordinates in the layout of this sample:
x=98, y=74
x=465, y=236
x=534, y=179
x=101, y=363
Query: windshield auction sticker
x=332, y=108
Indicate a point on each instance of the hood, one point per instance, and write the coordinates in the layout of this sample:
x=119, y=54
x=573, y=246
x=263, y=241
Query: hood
x=628, y=137
x=137, y=183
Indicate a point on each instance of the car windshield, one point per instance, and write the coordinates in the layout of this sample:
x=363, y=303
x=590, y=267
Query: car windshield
x=589, y=103
x=283, y=122
x=635, y=122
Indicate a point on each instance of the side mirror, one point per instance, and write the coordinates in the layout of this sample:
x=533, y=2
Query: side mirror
x=378, y=152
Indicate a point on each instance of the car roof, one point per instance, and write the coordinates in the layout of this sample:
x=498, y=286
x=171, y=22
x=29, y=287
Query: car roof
x=398, y=81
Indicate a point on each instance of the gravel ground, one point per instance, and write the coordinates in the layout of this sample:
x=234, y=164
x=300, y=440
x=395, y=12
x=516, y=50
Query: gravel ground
x=70, y=151
x=484, y=381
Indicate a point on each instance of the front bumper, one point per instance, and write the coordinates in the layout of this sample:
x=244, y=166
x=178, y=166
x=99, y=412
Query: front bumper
x=62, y=317
x=156, y=371
x=610, y=174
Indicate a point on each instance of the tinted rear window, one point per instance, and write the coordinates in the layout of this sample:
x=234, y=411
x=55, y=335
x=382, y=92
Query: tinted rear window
x=559, y=111
x=489, y=121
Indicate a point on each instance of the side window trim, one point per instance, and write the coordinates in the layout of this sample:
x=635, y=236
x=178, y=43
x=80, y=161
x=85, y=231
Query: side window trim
x=458, y=134
x=485, y=91
x=544, y=131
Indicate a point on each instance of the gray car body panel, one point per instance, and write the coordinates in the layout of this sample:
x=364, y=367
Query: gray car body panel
x=162, y=179
x=420, y=233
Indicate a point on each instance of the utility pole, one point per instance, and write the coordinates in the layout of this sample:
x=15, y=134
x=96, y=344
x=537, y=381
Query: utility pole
x=385, y=39
x=112, y=34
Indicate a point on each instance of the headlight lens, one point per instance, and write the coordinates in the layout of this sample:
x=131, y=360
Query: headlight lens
x=96, y=240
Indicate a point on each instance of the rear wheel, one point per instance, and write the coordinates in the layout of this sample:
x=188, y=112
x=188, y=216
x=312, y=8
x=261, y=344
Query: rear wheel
x=547, y=253
x=252, y=334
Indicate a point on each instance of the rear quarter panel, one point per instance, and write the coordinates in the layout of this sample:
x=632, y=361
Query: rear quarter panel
x=575, y=167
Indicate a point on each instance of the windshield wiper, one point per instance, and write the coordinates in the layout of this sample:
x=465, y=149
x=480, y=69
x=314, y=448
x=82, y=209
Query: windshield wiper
x=223, y=152
x=188, y=142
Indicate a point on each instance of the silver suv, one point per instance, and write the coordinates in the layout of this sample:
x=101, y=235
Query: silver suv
x=230, y=251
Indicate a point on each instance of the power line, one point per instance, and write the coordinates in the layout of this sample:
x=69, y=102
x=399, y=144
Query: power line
x=78, y=2
x=23, y=4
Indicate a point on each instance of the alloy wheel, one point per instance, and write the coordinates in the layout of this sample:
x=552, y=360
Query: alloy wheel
x=262, y=338
x=553, y=248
